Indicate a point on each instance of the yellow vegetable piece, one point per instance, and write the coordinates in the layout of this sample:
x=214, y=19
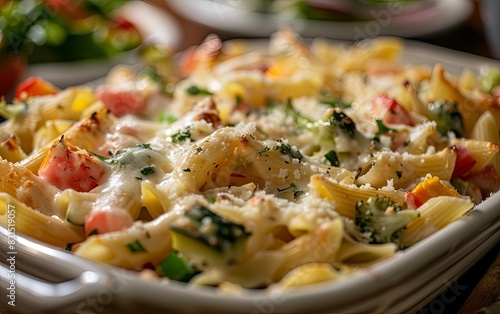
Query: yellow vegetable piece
x=432, y=187
x=83, y=98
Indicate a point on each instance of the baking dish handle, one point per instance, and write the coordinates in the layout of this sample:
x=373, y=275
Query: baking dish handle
x=61, y=281
x=25, y=293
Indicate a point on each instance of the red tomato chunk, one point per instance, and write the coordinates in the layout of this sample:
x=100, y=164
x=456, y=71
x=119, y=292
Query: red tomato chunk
x=104, y=221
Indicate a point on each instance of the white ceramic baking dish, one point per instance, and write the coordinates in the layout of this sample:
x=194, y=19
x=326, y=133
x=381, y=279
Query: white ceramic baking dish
x=51, y=280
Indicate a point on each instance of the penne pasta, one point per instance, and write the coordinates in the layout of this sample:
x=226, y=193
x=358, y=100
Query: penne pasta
x=435, y=214
x=34, y=224
x=362, y=253
x=11, y=150
x=278, y=168
x=404, y=169
x=346, y=196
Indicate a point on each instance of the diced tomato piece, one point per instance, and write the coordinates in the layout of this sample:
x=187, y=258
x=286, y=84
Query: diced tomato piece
x=391, y=111
x=488, y=181
x=35, y=86
x=121, y=102
x=464, y=163
x=68, y=167
x=104, y=221
x=412, y=201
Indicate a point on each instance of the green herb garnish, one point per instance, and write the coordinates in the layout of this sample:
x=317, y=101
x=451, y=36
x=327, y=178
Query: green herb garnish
x=332, y=157
x=148, y=169
x=181, y=135
x=382, y=129
x=286, y=149
x=195, y=90
x=135, y=247
x=264, y=150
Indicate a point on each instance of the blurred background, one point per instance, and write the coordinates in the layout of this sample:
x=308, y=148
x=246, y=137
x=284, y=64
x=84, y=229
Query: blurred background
x=471, y=26
x=71, y=42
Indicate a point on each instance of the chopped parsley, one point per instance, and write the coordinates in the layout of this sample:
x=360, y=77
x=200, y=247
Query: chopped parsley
x=153, y=75
x=286, y=149
x=264, y=150
x=168, y=118
x=135, y=247
x=332, y=157
x=100, y=156
x=382, y=129
x=126, y=156
x=143, y=145
x=341, y=120
x=195, y=90
x=181, y=135
x=148, y=170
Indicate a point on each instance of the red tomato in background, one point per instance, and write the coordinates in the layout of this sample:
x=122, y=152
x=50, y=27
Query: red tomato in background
x=35, y=86
x=12, y=68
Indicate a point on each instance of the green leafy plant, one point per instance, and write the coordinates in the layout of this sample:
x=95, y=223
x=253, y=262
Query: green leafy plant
x=61, y=30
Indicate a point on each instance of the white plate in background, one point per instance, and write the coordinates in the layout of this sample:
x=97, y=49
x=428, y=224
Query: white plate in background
x=155, y=26
x=438, y=17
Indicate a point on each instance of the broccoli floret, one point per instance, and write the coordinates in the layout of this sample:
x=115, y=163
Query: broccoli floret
x=342, y=122
x=447, y=117
x=337, y=127
x=490, y=77
x=286, y=149
x=382, y=219
x=336, y=135
x=15, y=112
